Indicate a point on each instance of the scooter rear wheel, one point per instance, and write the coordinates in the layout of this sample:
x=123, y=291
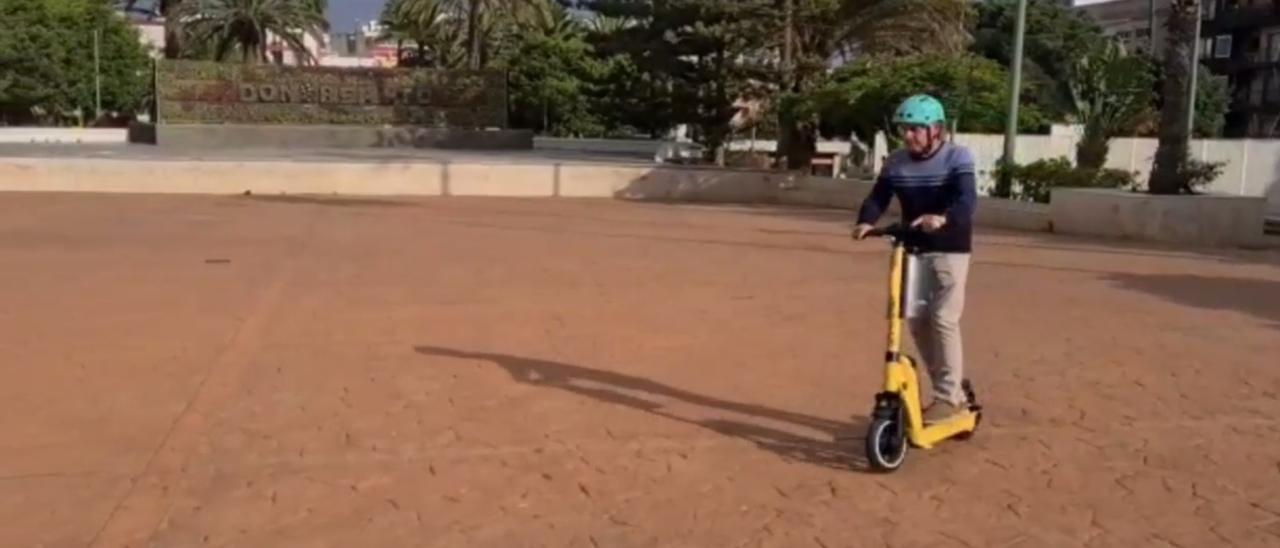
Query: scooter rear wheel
x=886, y=445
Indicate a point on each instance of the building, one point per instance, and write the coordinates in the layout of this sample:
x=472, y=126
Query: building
x=1130, y=22
x=365, y=47
x=150, y=32
x=1241, y=38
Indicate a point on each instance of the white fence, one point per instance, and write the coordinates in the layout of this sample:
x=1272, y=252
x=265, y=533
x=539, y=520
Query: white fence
x=1252, y=166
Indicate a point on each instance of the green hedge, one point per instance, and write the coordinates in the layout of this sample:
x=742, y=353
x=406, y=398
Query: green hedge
x=1035, y=181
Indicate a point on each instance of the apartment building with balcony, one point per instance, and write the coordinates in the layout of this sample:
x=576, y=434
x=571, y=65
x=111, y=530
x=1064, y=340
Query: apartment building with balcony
x=1241, y=39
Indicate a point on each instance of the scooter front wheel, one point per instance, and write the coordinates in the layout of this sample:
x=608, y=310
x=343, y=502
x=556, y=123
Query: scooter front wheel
x=886, y=445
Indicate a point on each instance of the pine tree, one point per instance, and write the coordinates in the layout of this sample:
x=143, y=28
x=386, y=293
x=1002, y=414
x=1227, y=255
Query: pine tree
x=702, y=57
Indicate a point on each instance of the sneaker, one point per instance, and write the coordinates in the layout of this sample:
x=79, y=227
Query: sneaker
x=940, y=411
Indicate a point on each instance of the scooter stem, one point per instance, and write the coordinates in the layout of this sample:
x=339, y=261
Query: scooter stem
x=896, y=266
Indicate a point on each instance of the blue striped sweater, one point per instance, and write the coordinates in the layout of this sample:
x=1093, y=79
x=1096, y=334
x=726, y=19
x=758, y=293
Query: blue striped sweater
x=943, y=184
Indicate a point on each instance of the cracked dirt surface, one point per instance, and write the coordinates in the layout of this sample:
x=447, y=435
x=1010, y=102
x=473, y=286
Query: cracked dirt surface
x=244, y=371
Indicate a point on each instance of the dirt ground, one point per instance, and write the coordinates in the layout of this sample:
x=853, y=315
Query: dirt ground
x=255, y=371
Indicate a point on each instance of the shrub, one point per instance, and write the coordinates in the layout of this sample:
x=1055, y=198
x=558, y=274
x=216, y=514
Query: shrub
x=1193, y=176
x=1034, y=182
x=1196, y=174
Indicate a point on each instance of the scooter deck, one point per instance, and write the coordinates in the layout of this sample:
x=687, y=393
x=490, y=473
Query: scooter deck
x=931, y=435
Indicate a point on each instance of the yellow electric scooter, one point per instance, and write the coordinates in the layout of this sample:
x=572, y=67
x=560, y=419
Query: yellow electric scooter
x=896, y=421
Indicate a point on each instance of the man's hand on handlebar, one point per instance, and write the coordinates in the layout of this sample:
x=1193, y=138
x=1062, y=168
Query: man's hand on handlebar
x=896, y=230
x=929, y=223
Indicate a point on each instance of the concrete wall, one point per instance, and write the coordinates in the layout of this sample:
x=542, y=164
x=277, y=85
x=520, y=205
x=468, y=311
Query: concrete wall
x=1197, y=220
x=569, y=180
x=1194, y=220
x=630, y=147
x=1253, y=165
x=648, y=147
x=668, y=150
x=212, y=136
x=65, y=135
x=209, y=177
x=1189, y=220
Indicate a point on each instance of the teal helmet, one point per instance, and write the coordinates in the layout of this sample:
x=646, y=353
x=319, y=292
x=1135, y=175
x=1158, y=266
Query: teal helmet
x=921, y=110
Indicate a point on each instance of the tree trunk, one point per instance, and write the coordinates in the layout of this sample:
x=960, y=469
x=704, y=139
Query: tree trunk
x=473, y=33
x=1091, y=151
x=797, y=141
x=172, y=29
x=1171, y=154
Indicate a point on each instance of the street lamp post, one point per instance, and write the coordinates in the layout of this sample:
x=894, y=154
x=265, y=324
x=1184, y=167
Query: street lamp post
x=1004, y=187
x=1195, y=69
x=97, y=76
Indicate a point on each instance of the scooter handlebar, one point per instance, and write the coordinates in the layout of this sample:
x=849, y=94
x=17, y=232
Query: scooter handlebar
x=896, y=230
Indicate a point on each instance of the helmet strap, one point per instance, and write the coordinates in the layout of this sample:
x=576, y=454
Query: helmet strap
x=935, y=145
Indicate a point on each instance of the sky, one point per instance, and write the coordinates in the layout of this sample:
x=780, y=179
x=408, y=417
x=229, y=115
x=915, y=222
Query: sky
x=347, y=15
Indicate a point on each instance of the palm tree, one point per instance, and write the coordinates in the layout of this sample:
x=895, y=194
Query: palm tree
x=463, y=33
x=247, y=26
x=547, y=17
x=1174, y=137
x=430, y=26
x=605, y=25
x=485, y=19
x=1111, y=91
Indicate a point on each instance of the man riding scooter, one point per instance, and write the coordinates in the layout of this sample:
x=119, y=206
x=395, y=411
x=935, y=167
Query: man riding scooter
x=934, y=182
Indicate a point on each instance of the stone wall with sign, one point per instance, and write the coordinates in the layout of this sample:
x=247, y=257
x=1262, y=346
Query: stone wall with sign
x=195, y=92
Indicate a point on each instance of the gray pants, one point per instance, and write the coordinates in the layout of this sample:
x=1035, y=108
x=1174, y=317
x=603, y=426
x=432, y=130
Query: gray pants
x=937, y=332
